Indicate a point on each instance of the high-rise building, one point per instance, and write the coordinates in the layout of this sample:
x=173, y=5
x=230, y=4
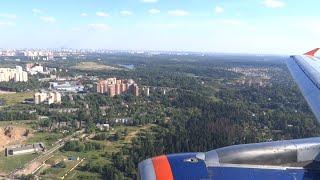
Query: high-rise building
x=21, y=76
x=58, y=97
x=118, y=88
x=24, y=76
x=47, y=97
x=112, y=87
x=111, y=81
x=135, y=90
x=17, y=75
x=100, y=86
x=40, y=97
x=124, y=88
x=146, y=91
x=51, y=98
x=111, y=90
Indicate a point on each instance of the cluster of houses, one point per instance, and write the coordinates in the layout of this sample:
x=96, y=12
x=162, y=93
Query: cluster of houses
x=105, y=126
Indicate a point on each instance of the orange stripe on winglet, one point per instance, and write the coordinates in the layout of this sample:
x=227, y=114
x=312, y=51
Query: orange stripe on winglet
x=313, y=52
x=162, y=168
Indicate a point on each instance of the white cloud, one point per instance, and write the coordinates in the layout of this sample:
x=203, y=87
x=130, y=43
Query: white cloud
x=166, y=26
x=102, y=14
x=99, y=27
x=273, y=3
x=218, y=9
x=159, y=26
x=48, y=19
x=310, y=25
x=83, y=14
x=8, y=16
x=37, y=11
x=315, y=28
x=178, y=12
x=149, y=1
x=126, y=13
x=232, y=22
x=76, y=29
x=7, y=24
x=154, y=11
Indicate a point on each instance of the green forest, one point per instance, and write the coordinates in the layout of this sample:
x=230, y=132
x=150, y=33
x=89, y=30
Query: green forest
x=196, y=104
x=207, y=109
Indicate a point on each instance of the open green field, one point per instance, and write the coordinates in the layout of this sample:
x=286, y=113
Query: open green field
x=53, y=173
x=110, y=146
x=92, y=66
x=15, y=98
x=115, y=146
x=45, y=137
x=23, y=123
x=8, y=164
x=106, y=153
x=85, y=175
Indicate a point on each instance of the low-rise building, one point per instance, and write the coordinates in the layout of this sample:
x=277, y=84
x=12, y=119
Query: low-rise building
x=103, y=127
x=25, y=149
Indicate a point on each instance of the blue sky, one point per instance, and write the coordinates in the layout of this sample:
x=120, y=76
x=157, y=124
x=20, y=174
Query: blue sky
x=245, y=26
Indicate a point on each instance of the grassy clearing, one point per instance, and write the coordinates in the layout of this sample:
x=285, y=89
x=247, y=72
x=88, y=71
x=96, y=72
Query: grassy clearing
x=53, y=173
x=15, y=98
x=92, y=66
x=19, y=123
x=99, y=156
x=115, y=146
x=8, y=164
x=47, y=138
x=76, y=174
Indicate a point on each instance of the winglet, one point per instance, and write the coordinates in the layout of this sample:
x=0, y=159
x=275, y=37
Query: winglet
x=313, y=52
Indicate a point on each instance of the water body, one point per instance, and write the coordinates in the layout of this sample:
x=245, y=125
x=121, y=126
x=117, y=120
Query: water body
x=128, y=66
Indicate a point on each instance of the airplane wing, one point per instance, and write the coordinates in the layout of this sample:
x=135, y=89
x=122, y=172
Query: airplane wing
x=281, y=160
x=305, y=70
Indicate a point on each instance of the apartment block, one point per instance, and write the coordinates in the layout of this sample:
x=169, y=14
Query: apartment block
x=113, y=86
x=16, y=75
x=47, y=97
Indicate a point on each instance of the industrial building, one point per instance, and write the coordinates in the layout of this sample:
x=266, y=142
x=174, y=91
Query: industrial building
x=114, y=86
x=67, y=86
x=25, y=149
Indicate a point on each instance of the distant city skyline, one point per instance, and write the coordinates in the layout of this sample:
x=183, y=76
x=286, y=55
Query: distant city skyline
x=242, y=26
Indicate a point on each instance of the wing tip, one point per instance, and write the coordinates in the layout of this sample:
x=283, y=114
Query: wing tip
x=312, y=52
